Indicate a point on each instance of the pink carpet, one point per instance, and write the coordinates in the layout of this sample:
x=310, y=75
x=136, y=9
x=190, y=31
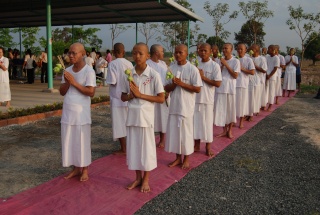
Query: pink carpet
x=105, y=192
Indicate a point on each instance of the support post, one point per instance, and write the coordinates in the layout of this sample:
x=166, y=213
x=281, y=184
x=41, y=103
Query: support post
x=136, y=33
x=188, y=37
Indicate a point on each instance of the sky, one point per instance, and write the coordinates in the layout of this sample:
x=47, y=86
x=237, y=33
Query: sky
x=276, y=29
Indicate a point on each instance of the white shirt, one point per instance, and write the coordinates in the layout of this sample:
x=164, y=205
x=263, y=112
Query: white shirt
x=290, y=68
x=261, y=62
x=282, y=63
x=76, y=106
x=100, y=65
x=243, y=78
x=115, y=76
x=29, y=61
x=228, y=84
x=272, y=62
x=140, y=111
x=213, y=72
x=217, y=60
x=4, y=75
x=89, y=61
x=160, y=67
x=183, y=101
x=93, y=55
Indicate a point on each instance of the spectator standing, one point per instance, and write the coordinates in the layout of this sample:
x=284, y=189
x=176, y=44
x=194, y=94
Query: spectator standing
x=5, y=93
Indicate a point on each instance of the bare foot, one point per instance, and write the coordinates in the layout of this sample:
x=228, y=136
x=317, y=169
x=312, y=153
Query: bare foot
x=269, y=109
x=196, y=147
x=223, y=134
x=250, y=119
x=75, y=172
x=8, y=104
x=84, y=176
x=209, y=152
x=145, y=188
x=119, y=152
x=175, y=162
x=185, y=164
x=241, y=126
x=161, y=145
x=134, y=184
x=230, y=136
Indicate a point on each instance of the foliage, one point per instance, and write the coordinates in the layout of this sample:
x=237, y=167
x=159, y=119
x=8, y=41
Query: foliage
x=216, y=41
x=255, y=12
x=246, y=35
x=116, y=30
x=13, y=113
x=306, y=25
x=95, y=42
x=6, y=39
x=313, y=48
x=217, y=13
x=148, y=30
x=29, y=38
x=309, y=89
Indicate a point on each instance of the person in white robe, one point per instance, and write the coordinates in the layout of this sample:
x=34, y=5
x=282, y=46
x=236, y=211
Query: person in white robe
x=242, y=93
x=210, y=73
x=289, y=82
x=5, y=93
x=119, y=109
x=225, y=102
x=183, y=87
x=77, y=86
x=142, y=92
x=279, y=73
x=273, y=63
x=161, y=110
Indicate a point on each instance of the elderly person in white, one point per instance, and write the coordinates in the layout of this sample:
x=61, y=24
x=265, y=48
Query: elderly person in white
x=100, y=64
x=247, y=69
x=161, y=110
x=119, y=109
x=210, y=73
x=261, y=70
x=289, y=83
x=225, y=102
x=184, y=85
x=273, y=63
x=77, y=86
x=5, y=93
x=279, y=73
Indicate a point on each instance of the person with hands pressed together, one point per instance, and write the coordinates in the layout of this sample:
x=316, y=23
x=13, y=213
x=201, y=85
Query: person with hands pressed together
x=225, y=104
x=184, y=85
x=5, y=92
x=210, y=74
x=77, y=86
x=289, y=82
x=142, y=90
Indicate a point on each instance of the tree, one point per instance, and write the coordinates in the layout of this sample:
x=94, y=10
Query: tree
x=313, y=48
x=116, y=30
x=217, y=13
x=216, y=41
x=95, y=42
x=306, y=25
x=148, y=30
x=255, y=12
x=29, y=38
x=246, y=35
x=6, y=40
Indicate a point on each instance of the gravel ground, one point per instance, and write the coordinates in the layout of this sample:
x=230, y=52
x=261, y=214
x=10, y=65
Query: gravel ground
x=272, y=169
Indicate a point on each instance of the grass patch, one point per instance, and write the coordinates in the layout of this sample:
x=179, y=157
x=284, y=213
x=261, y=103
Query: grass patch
x=17, y=112
x=309, y=89
x=250, y=164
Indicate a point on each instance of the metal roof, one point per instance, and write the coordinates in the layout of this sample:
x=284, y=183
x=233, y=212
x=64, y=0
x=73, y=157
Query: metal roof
x=30, y=13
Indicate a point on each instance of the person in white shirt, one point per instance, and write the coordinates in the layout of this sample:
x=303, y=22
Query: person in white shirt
x=184, y=85
x=247, y=69
x=93, y=54
x=215, y=54
x=225, y=103
x=289, y=82
x=264, y=97
x=273, y=63
x=260, y=73
x=161, y=110
x=77, y=86
x=119, y=109
x=142, y=92
x=279, y=73
x=89, y=60
x=210, y=73
x=100, y=64
x=5, y=93
x=44, y=66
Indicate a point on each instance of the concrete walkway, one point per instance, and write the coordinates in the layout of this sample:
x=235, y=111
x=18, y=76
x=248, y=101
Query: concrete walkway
x=30, y=95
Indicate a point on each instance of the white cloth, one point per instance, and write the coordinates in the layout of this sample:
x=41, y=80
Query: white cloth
x=282, y=63
x=217, y=60
x=183, y=101
x=212, y=71
x=263, y=97
x=76, y=145
x=242, y=108
x=257, y=98
x=251, y=101
x=179, y=137
x=278, y=87
x=119, y=117
x=115, y=76
x=141, y=149
x=93, y=55
x=270, y=91
x=272, y=62
x=89, y=61
x=243, y=78
x=228, y=84
x=225, y=109
x=29, y=61
x=141, y=112
x=289, y=82
x=5, y=93
x=203, y=122
x=100, y=65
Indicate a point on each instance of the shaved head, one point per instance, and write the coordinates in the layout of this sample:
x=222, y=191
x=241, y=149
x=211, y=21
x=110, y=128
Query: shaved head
x=205, y=45
x=154, y=48
x=142, y=45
